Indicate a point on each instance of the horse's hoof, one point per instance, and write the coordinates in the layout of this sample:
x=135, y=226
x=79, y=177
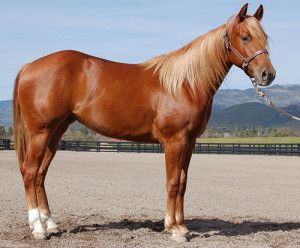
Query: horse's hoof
x=183, y=230
x=52, y=230
x=179, y=238
x=39, y=235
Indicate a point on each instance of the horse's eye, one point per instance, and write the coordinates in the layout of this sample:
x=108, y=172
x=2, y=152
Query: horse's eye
x=245, y=38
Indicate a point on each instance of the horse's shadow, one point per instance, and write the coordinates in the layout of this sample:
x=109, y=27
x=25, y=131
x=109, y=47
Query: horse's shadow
x=197, y=227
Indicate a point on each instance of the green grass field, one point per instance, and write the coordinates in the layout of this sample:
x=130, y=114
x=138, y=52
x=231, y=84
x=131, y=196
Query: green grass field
x=263, y=140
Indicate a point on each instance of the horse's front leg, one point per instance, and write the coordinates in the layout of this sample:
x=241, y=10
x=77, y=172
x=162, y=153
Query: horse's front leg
x=179, y=213
x=176, y=153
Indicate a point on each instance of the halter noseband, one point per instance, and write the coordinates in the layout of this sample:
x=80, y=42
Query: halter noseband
x=245, y=61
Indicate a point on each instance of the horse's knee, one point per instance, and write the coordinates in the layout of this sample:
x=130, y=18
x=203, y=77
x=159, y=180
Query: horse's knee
x=173, y=187
x=29, y=178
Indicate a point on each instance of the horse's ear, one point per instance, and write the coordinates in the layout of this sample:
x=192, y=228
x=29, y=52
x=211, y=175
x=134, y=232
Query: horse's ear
x=259, y=12
x=243, y=13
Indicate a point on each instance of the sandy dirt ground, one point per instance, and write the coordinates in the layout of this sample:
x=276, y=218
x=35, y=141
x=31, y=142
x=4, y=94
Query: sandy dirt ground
x=118, y=200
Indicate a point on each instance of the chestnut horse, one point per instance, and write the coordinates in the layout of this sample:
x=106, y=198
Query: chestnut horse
x=167, y=99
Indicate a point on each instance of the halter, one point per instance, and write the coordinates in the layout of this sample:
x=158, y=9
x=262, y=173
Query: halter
x=245, y=61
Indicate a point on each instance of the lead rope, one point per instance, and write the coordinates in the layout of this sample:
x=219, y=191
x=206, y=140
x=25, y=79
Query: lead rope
x=262, y=94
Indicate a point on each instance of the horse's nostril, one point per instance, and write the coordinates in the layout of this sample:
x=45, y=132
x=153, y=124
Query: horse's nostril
x=268, y=76
x=265, y=75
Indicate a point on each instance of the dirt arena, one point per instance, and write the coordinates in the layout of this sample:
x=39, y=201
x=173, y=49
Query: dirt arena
x=118, y=200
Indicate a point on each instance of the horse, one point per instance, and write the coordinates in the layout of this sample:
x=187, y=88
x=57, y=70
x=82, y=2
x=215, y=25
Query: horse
x=167, y=99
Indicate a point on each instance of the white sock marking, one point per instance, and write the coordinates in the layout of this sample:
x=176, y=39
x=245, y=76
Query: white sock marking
x=34, y=220
x=48, y=221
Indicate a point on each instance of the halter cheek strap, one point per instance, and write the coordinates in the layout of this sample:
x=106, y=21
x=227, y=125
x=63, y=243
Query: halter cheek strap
x=245, y=61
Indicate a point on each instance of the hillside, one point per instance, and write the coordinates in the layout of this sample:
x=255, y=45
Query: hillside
x=282, y=95
x=6, y=113
x=251, y=115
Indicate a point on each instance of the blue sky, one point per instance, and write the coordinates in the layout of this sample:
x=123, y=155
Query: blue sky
x=134, y=31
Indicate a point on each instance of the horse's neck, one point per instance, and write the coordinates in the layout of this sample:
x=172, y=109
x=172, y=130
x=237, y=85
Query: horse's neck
x=214, y=63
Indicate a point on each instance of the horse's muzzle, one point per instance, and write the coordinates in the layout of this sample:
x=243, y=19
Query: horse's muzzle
x=266, y=77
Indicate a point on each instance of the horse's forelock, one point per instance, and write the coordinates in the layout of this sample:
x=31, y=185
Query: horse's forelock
x=257, y=31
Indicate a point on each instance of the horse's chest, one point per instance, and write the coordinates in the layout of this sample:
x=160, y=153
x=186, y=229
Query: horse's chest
x=199, y=120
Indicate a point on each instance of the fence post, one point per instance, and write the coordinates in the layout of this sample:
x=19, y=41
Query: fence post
x=98, y=146
x=63, y=145
x=5, y=143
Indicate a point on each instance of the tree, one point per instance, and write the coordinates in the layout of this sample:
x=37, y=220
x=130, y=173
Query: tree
x=84, y=131
x=2, y=132
x=10, y=132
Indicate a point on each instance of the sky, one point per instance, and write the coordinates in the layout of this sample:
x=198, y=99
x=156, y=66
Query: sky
x=134, y=31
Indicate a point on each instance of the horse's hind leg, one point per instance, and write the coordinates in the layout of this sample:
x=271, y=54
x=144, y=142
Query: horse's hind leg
x=45, y=213
x=37, y=142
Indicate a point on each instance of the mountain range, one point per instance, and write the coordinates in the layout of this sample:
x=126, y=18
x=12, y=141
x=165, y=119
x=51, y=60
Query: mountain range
x=252, y=115
x=233, y=108
x=282, y=95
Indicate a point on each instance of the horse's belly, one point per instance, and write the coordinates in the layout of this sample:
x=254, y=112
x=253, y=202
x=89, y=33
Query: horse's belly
x=118, y=121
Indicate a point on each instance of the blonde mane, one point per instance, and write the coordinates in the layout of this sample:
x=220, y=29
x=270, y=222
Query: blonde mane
x=202, y=64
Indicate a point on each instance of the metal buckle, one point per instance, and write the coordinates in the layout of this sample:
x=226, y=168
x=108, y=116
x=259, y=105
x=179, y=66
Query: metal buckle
x=245, y=64
x=228, y=45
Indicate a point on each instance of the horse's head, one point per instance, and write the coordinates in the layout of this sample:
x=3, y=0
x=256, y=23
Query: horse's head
x=247, y=45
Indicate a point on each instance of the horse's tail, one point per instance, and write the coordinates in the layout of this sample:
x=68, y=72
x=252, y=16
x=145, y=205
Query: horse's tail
x=19, y=128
